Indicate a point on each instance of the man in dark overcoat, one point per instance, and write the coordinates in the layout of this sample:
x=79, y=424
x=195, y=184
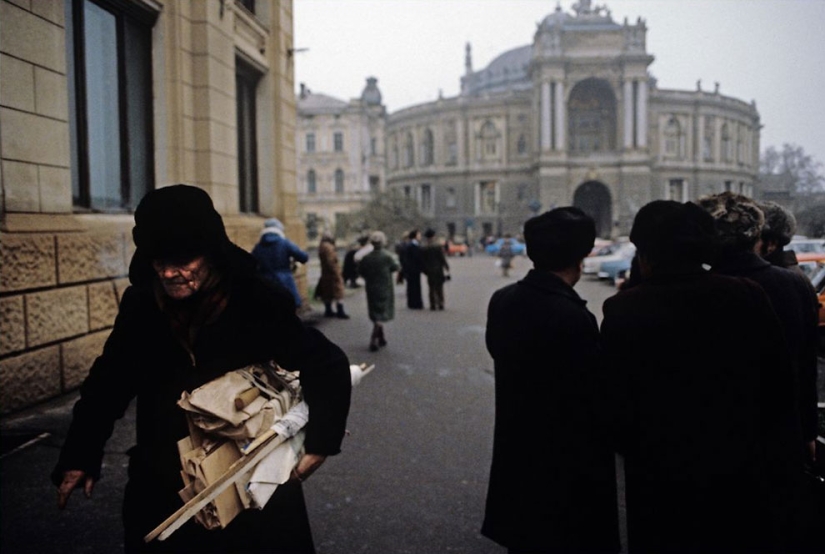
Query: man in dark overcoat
x=197, y=309
x=702, y=403
x=412, y=267
x=552, y=481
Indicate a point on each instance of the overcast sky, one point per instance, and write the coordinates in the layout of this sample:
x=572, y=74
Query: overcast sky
x=771, y=51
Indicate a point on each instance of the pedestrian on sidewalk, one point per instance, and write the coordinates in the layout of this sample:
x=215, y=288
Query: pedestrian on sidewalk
x=377, y=268
x=701, y=402
x=277, y=255
x=552, y=481
x=412, y=268
x=197, y=309
x=505, y=255
x=330, y=287
x=436, y=268
x=349, y=271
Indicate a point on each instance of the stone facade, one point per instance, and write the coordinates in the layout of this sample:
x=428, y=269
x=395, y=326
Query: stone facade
x=65, y=247
x=340, y=151
x=574, y=118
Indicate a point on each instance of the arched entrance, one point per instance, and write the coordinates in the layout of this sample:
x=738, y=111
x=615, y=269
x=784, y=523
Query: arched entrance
x=593, y=198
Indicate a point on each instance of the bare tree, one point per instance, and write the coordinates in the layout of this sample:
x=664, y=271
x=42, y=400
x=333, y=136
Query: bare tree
x=391, y=212
x=802, y=172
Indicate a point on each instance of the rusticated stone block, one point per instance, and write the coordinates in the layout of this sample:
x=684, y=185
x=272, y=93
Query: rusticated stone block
x=102, y=305
x=29, y=378
x=78, y=356
x=120, y=287
x=86, y=257
x=28, y=261
x=56, y=314
x=12, y=325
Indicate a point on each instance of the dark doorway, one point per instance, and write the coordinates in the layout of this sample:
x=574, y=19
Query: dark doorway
x=593, y=198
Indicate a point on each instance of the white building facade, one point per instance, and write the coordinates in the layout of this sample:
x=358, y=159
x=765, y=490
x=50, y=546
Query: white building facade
x=340, y=153
x=574, y=118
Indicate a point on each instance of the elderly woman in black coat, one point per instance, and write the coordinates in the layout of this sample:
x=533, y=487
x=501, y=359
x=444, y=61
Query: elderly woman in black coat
x=196, y=310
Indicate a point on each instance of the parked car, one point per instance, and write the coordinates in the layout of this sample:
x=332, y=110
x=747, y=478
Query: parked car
x=612, y=270
x=808, y=250
x=613, y=252
x=516, y=246
x=457, y=246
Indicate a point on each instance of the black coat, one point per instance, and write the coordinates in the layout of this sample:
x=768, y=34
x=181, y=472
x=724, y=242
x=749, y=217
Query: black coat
x=143, y=359
x=703, y=411
x=552, y=481
x=795, y=302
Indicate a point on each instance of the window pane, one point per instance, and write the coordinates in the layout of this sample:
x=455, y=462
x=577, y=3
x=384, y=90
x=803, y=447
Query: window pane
x=139, y=113
x=245, y=82
x=103, y=114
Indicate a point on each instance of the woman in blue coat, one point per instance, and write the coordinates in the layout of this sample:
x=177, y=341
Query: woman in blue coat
x=275, y=254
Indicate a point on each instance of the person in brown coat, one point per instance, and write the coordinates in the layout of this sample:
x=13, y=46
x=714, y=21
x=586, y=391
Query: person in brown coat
x=330, y=286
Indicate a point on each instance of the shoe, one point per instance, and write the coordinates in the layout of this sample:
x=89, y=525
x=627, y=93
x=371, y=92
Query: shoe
x=382, y=342
x=329, y=314
x=373, y=347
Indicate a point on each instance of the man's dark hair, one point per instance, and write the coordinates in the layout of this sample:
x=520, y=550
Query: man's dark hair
x=669, y=234
x=429, y=233
x=413, y=234
x=560, y=238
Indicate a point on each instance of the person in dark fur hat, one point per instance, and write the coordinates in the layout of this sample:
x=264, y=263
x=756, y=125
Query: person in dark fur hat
x=701, y=402
x=779, y=229
x=435, y=266
x=197, y=309
x=740, y=227
x=552, y=481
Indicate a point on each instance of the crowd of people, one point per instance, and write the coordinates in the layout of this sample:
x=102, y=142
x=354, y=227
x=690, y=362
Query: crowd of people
x=702, y=376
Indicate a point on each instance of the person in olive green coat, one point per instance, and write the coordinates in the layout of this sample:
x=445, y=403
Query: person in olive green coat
x=377, y=268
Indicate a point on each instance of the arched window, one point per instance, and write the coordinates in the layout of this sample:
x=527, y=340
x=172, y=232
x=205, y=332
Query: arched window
x=394, y=153
x=674, y=139
x=409, y=151
x=339, y=181
x=592, y=117
x=427, y=148
x=312, y=184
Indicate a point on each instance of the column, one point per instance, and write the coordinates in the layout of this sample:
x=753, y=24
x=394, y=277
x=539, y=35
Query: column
x=545, y=116
x=628, y=115
x=560, y=123
x=700, y=139
x=641, y=114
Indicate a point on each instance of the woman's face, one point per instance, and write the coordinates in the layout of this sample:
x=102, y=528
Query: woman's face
x=182, y=279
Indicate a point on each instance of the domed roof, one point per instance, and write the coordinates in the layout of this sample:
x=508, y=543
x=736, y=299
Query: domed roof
x=508, y=71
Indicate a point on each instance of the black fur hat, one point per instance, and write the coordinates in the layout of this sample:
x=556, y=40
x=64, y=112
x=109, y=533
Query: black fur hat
x=178, y=223
x=559, y=238
x=669, y=233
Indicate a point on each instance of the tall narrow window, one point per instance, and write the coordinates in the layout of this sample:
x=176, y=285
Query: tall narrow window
x=312, y=183
x=246, y=80
x=674, y=139
x=426, y=198
x=409, y=154
x=726, y=144
x=338, y=142
x=676, y=190
x=110, y=95
x=487, y=198
x=521, y=146
x=339, y=181
x=450, y=198
x=310, y=142
x=427, y=148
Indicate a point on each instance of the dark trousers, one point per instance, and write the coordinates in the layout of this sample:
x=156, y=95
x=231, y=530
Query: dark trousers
x=414, y=300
